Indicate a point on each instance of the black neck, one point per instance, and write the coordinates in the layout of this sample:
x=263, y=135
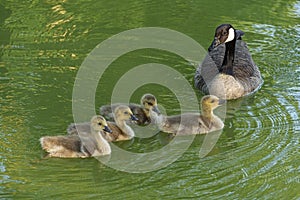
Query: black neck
x=227, y=65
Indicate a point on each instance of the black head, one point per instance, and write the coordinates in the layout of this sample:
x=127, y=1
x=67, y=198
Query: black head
x=225, y=33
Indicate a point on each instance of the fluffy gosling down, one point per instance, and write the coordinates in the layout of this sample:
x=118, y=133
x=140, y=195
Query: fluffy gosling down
x=140, y=111
x=192, y=123
x=88, y=143
x=120, y=130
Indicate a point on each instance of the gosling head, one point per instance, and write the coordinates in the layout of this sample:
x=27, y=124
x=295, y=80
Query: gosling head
x=98, y=123
x=210, y=102
x=124, y=113
x=225, y=33
x=149, y=102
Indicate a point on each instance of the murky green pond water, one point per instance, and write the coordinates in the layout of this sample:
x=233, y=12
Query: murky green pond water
x=42, y=46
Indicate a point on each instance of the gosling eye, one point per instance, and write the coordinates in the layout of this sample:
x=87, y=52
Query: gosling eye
x=150, y=104
x=126, y=113
x=212, y=101
x=99, y=123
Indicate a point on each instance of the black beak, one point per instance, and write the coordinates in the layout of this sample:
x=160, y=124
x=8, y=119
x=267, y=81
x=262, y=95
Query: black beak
x=238, y=34
x=106, y=129
x=216, y=42
x=221, y=101
x=133, y=118
x=155, y=109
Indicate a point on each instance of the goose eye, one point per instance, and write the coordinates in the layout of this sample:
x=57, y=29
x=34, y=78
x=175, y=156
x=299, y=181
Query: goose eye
x=224, y=33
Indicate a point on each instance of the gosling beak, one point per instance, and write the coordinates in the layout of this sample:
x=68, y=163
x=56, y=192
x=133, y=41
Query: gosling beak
x=155, y=109
x=106, y=129
x=133, y=118
x=216, y=42
x=221, y=101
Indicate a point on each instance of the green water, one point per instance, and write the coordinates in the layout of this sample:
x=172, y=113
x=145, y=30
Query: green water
x=42, y=46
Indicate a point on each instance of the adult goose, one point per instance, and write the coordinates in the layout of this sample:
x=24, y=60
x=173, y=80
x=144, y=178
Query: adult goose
x=228, y=70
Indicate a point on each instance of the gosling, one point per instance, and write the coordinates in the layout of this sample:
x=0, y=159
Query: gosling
x=192, y=123
x=140, y=111
x=89, y=143
x=120, y=129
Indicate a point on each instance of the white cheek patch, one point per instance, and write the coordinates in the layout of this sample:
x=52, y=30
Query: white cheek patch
x=230, y=35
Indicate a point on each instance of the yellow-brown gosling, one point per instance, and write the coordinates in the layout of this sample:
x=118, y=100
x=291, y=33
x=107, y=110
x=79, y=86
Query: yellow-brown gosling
x=120, y=129
x=140, y=111
x=192, y=123
x=89, y=143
